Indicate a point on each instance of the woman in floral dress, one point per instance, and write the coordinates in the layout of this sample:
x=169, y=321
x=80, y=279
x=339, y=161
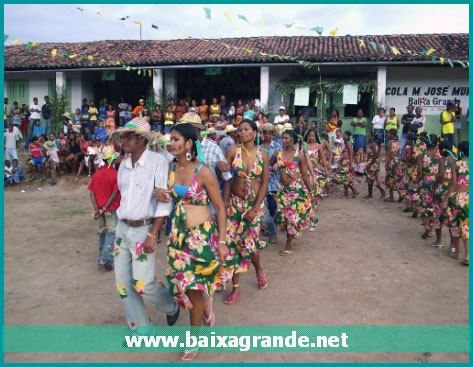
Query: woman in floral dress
x=372, y=168
x=197, y=245
x=244, y=195
x=293, y=197
x=427, y=170
x=393, y=175
x=458, y=201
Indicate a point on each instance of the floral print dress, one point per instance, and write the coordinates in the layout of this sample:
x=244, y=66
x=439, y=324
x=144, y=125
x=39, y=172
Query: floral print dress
x=319, y=173
x=430, y=169
x=192, y=252
x=441, y=190
x=293, y=199
x=459, y=202
x=393, y=174
x=372, y=171
x=243, y=236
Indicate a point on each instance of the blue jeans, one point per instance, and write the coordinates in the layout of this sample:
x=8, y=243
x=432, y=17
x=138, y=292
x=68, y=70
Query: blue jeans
x=270, y=209
x=359, y=141
x=157, y=127
x=167, y=128
x=48, y=126
x=107, y=226
x=169, y=220
x=403, y=143
x=449, y=137
x=17, y=177
x=379, y=136
x=135, y=276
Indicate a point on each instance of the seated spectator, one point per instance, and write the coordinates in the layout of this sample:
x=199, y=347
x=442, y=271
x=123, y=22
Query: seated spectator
x=17, y=172
x=7, y=173
x=100, y=131
x=38, y=129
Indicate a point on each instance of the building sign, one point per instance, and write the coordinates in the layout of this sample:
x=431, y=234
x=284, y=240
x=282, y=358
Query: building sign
x=429, y=88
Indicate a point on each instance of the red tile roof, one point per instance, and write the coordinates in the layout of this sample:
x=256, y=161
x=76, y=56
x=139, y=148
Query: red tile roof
x=195, y=51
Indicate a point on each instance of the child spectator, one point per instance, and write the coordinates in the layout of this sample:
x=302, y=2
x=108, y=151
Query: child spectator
x=36, y=157
x=7, y=173
x=128, y=114
x=53, y=158
x=105, y=198
x=38, y=129
x=100, y=131
x=17, y=171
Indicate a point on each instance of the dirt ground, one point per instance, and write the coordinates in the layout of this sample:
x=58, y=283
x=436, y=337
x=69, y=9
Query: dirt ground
x=364, y=265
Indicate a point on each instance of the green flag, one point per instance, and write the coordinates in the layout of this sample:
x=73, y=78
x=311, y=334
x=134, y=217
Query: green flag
x=40, y=49
x=374, y=45
x=289, y=25
x=28, y=46
x=319, y=30
x=124, y=18
x=383, y=48
x=154, y=26
x=242, y=17
x=5, y=37
x=208, y=14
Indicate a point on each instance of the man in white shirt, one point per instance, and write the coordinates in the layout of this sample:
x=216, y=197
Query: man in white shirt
x=11, y=136
x=35, y=115
x=282, y=118
x=140, y=216
x=419, y=120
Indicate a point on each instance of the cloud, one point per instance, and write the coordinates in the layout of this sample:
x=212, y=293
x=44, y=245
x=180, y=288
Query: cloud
x=64, y=23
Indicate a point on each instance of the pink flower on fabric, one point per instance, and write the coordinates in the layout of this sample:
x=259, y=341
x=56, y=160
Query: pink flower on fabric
x=139, y=248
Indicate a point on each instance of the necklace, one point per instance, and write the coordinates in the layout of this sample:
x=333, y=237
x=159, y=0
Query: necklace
x=246, y=150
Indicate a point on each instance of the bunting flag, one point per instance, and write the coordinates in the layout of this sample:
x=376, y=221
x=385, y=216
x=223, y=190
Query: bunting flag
x=395, y=50
x=319, y=30
x=262, y=21
x=139, y=71
x=72, y=56
x=64, y=53
x=208, y=14
x=128, y=68
x=54, y=52
x=348, y=35
x=229, y=17
x=28, y=46
x=124, y=18
x=430, y=51
x=334, y=32
x=236, y=48
x=150, y=73
x=461, y=63
x=80, y=9
x=102, y=14
x=90, y=57
x=227, y=46
x=434, y=59
x=248, y=50
x=16, y=41
x=180, y=35
x=154, y=26
x=383, y=48
x=289, y=25
x=137, y=22
x=242, y=17
x=374, y=45
x=362, y=43
x=301, y=27
x=40, y=49
x=450, y=62
x=5, y=37
x=442, y=60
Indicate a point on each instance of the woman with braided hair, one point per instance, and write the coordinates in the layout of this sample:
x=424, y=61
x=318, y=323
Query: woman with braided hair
x=427, y=170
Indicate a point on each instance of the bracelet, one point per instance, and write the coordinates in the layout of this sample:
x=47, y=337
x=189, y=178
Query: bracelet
x=152, y=236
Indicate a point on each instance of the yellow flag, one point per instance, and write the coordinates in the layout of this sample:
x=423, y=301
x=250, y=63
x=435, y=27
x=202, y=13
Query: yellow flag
x=300, y=62
x=203, y=39
x=72, y=56
x=102, y=60
x=431, y=51
x=90, y=57
x=300, y=27
x=180, y=34
x=117, y=63
x=54, y=52
x=362, y=43
x=16, y=41
x=229, y=17
x=395, y=50
x=150, y=73
x=136, y=22
x=227, y=46
x=128, y=68
x=262, y=21
x=442, y=60
x=334, y=32
x=33, y=44
x=102, y=14
x=139, y=71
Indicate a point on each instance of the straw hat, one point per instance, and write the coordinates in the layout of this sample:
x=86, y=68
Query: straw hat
x=138, y=126
x=230, y=129
x=287, y=126
x=211, y=130
x=66, y=115
x=269, y=127
x=193, y=119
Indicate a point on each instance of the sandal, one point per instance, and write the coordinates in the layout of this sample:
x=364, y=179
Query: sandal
x=263, y=281
x=232, y=298
x=427, y=234
x=453, y=255
x=285, y=252
x=466, y=262
x=211, y=320
x=437, y=244
x=189, y=355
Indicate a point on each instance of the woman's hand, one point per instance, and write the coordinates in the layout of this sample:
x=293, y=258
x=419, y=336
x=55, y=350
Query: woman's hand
x=251, y=214
x=162, y=195
x=223, y=251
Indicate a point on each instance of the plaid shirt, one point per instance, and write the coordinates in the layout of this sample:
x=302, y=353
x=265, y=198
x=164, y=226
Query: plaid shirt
x=274, y=178
x=212, y=154
x=137, y=186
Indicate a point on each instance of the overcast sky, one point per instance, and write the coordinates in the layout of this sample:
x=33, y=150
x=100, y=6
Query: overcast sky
x=65, y=23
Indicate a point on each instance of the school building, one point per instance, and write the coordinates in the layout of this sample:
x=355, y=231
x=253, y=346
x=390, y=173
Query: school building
x=388, y=71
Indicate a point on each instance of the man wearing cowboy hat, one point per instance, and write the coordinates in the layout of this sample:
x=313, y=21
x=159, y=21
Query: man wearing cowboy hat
x=105, y=198
x=282, y=118
x=140, y=216
x=229, y=139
